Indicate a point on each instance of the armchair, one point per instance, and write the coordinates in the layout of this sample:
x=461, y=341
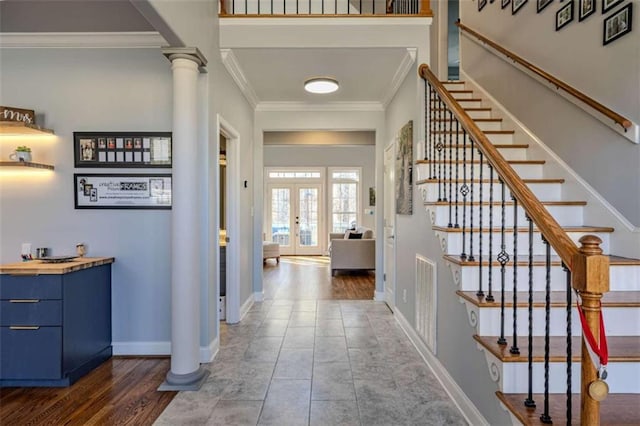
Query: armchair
x=352, y=254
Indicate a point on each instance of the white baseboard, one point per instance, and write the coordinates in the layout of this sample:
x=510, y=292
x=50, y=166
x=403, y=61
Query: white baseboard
x=161, y=348
x=457, y=395
x=258, y=296
x=246, y=306
x=379, y=296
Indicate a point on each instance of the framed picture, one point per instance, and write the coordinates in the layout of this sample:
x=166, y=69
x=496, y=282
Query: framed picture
x=372, y=196
x=505, y=3
x=404, y=170
x=585, y=8
x=564, y=15
x=122, y=191
x=516, y=5
x=618, y=24
x=481, y=4
x=122, y=149
x=607, y=5
x=541, y=4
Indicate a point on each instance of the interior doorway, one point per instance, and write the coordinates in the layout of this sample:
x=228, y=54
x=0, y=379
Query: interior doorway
x=389, y=225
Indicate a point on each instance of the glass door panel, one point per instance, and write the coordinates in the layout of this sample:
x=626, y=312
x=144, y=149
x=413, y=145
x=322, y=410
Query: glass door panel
x=307, y=219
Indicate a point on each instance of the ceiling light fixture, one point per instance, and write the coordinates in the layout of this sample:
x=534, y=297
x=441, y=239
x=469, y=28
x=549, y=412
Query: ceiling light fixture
x=321, y=85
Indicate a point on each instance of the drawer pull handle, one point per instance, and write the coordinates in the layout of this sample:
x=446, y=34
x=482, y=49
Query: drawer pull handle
x=24, y=327
x=24, y=301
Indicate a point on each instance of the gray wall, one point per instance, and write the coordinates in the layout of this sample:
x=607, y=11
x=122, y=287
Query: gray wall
x=575, y=54
x=330, y=156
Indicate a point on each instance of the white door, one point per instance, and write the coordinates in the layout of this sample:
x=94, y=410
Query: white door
x=389, y=225
x=293, y=217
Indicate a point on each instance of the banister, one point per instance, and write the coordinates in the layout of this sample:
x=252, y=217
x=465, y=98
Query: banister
x=607, y=112
x=552, y=231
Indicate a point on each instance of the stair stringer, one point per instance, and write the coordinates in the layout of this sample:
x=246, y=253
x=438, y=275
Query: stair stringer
x=626, y=238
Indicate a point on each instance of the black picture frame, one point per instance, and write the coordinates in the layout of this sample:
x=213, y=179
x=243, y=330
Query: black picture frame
x=542, y=4
x=481, y=4
x=607, y=5
x=617, y=24
x=122, y=149
x=516, y=5
x=122, y=191
x=564, y=16
x=585, y=9
x=504, y=3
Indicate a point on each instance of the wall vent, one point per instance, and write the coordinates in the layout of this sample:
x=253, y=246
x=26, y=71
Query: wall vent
x=426, y=301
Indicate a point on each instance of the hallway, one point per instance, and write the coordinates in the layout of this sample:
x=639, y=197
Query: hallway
x=317, y=362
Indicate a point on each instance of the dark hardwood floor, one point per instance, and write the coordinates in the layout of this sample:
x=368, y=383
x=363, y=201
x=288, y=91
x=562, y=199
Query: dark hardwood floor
x=122, y=391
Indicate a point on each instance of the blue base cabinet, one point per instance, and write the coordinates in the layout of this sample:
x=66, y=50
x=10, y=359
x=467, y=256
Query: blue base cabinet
x=54, y=328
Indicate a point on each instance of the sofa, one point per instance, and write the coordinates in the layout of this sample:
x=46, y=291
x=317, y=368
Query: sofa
x=352, y=254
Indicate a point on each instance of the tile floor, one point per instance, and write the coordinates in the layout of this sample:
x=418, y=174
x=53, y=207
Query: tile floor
x=315, y=363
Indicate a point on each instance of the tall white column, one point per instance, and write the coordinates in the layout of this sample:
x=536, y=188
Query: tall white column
x=186, y=372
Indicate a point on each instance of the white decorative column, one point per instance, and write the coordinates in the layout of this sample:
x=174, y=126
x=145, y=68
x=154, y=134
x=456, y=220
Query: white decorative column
x=186, y=372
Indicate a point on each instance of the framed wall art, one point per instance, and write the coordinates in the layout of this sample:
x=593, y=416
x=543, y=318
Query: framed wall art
x=541, y=4
x=504, y=3
x=617, y=24
x=481, y=4
x=404, y=170
x=564, y=15
x=607, y=5
x=122, y=149
x=122, y=191
x=585, y=8
x=516, y=5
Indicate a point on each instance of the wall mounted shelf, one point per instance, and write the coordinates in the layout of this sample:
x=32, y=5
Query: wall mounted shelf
x=26, y=164
x=16, y=128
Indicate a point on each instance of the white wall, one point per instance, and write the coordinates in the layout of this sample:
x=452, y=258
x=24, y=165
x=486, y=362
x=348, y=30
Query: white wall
x=330, y=156
x=575, y=54
x=83, y=90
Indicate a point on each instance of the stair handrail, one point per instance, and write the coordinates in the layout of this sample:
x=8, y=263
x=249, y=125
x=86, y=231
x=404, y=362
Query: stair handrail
x=548, y=226
x=607, y=112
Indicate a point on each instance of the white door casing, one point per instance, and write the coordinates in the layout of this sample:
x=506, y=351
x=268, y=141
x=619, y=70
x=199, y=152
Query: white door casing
x=389, y=225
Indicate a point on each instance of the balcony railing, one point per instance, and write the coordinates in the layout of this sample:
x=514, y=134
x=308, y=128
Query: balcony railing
x=324, y=8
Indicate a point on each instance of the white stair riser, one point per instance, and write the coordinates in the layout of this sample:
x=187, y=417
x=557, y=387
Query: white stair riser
x=468, y=278
x=564, y=215
x=447, y=154
x=482, y=125
x=454, y=86
x=450, y=138
x=514, y=378
x=467, y=103
x=543, y=191
x=479, y=114
x=624, y=278
x=618, y=321
x=525, y=171
x=454, y=242
x=465, y=95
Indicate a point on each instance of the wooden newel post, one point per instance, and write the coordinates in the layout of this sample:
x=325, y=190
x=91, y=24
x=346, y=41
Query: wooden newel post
x=425, y=8
x=591, y=279
x=223, y=7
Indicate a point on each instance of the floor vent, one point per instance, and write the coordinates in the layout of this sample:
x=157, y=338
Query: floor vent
x=426, y=301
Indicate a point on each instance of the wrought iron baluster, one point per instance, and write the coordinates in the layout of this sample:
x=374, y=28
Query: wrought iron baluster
x=434, y=119
x=480, y=233
x=545, y=417
x=568, y=289
x=529, y=402
x=514, y=345
x=427, y=120
x=450, y=145
x=246, y=9
x=490, y=297
x=439, y=149
x=457, y=225
x=360, y=8
x=470, y=256
x=503, y=258
x=464, y=190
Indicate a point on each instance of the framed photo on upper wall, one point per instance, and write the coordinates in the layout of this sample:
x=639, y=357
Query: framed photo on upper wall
x=122, y=149
x=505, y=3
x=481, y=4
x=617, y=24
x=564, y=15
x=607, y=5
x=541, y=4
x=516, y=5
x=585, y=8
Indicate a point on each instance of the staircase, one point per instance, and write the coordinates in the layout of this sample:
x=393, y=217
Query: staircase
x=508, y=364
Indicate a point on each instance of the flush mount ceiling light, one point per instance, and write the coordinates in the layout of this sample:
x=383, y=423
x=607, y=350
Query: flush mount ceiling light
x=321, y=85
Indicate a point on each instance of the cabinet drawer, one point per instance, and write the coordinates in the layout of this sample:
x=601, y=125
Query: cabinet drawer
x=31, y=354
x=30, y=312
x=30, y=287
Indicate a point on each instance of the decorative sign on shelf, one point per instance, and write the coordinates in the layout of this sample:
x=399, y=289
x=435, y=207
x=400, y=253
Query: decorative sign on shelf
x=122, y=149
x=17, y=114
x=122, y=191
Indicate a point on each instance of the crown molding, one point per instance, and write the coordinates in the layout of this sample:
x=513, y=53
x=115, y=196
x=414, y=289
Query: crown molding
x=326, y=107
x=401, y=73
x=231, y=64
x=138, y=39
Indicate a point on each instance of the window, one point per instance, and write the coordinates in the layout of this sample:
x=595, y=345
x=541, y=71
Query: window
x=294, y=175
x=345, y=197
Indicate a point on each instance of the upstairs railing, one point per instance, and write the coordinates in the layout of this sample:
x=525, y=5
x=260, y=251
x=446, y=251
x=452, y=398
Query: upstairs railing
x=324, y=8
x=561, y=85
x=472, y=181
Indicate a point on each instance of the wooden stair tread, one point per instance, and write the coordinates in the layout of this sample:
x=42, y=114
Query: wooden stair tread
x=497, y=230
x=538, y=260
x=506, y=203
x=495, y=181
x=612, y=299
x=621, y=348
x=461, y=91
x=478, y=162
x=486, y=132
x=497, y=120
x=465, y=108
x=617, y=409
x=496, y=145
x=451, y=81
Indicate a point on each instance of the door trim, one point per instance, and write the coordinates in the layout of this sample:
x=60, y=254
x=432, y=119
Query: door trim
x=389, y=201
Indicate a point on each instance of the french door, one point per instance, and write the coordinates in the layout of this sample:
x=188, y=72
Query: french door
x=293, y=217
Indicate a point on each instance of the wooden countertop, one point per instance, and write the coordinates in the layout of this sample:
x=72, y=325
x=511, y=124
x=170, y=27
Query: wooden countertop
x=35, y=267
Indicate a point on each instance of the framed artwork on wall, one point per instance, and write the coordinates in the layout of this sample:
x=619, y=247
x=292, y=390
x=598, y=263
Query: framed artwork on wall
x=122, y=149
x=541, y=4
x=564, y=15
x=404, y=170
x=481, y=4
x=585, y=8
x=122, y=191
x=607, y=5
x=516, y=5
x=505, y=3
x=617, y=24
